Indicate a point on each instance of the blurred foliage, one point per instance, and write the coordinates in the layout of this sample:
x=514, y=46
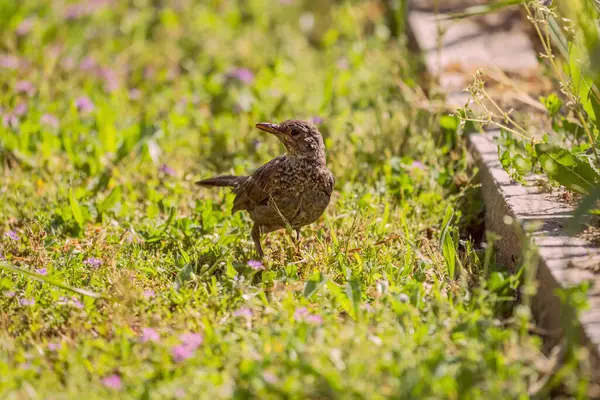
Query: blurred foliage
x=111, y=109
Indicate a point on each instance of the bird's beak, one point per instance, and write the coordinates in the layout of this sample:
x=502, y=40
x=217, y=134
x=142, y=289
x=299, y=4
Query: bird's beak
x=271, y=128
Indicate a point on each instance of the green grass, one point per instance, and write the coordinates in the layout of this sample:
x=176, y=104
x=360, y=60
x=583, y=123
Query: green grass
x=382, y=299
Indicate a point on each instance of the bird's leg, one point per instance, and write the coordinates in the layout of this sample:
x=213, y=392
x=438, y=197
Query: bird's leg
x=256, y=238
x=297, y=241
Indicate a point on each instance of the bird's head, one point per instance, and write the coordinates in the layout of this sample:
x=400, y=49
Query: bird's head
x=300, y=138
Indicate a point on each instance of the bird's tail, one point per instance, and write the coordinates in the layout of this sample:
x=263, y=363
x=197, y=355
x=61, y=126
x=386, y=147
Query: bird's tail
x=223, y=180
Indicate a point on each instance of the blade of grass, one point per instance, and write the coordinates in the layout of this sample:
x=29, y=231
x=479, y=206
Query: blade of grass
x=50, y=281
x=585, y=205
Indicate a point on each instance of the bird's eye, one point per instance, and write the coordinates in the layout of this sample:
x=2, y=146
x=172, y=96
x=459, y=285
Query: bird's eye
x=295, y=132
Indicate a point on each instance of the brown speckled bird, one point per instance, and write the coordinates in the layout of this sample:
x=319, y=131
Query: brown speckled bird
x=293, y=188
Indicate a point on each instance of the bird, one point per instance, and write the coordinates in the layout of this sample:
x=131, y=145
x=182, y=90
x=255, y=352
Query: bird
x=293, y=189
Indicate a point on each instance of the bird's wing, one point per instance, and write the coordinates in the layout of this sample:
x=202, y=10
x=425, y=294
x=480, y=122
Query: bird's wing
x=255, y=189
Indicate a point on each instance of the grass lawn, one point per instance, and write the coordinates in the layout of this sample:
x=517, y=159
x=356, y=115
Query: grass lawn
x=111, y=110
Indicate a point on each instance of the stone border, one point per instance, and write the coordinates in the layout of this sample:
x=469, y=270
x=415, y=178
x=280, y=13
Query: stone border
x=563, y=260
x=469, y=44
x=498, y=42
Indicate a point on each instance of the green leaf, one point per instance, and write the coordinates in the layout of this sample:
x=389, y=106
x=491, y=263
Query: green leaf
x=107, y=131
x=585, y=205
x=552, y=103
x=48, y=280
x=184, y=255
x=447, y=244
x=522, y=165
x=449, y=252
x=184, y=275
x=353, y=292
x=230, y=271
x=111, y=200
x=313, y=284
x=505, y=159
x=566, y=168
x=75, y=209
x=341, y=298
x=581, y=83
x=446, y=223
x=595, y=105
x=449, y=122
x=161, y=230
x=572, y=128
x=169, y=220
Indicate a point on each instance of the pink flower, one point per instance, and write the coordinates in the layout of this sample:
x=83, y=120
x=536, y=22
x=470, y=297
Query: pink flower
x=25, y=366
x=111, y=80
x=149, y=293
x=302, y=315
x=85, y=105
x=50, y=120
x=269, y=377
x=189, y=343
x=12, y=235
x=24, y=27
x=68, y=63
x=42, y=271
x=191, y=339
x=53, y=346
x=418, y=165
x=135, y=94
x=62, y=300
x=85, y=8
x=88, y=64
x=342, y=63
x=313, y=319
x=150, y=335
x=149, y=71
x=181, y=353
x=93, y=262
x=10, y=120
x=26, y=302
x=76, y=303
x=113, y=382
x=317, y=120
x=8, y=61
x=243, y=312
x=243, y=75
x=173, y=72
x=20, y=109
x=75, y=11
x=55, y=50
x=256, y=265
x=25, y=87
x=165, y=169
x=9, y=293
